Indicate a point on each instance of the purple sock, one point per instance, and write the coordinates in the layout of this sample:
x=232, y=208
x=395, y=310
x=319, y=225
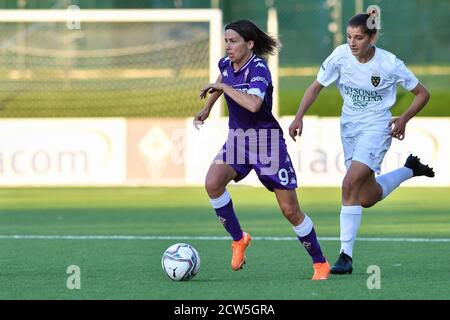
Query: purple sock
x=224, y=210
x=307, y=236
x=312, y=245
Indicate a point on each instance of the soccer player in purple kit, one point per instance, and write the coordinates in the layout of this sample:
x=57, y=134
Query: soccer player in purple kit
x=245, y=80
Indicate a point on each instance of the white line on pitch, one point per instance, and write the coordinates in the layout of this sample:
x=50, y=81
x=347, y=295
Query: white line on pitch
x=177, y=238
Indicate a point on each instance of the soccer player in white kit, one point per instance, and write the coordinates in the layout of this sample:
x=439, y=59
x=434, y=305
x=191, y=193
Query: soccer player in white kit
x=366, y=77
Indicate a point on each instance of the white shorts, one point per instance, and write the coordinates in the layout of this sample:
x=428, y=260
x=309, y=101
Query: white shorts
x=367, y=147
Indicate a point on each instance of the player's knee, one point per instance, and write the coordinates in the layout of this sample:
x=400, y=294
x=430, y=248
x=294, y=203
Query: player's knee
x=346, y=188
x=213, y=185
x=350, y=185
x=291, y=212
x=210, y=183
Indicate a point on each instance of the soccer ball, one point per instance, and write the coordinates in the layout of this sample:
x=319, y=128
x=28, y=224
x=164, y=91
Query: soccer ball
x=181, y=262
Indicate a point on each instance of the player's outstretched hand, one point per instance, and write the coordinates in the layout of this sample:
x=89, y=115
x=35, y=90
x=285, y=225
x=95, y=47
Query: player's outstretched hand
x=398, y=127
x=200, y=117
x=296, y=128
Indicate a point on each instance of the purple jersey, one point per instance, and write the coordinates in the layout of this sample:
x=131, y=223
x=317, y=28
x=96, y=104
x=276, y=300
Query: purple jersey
x=253, y=78
x=247, y=148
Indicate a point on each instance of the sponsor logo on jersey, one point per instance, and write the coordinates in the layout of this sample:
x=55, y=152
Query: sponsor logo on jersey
x=225, y=73
x=260, y=65
x=375, y=79
x=361, y=97
x=260, y=79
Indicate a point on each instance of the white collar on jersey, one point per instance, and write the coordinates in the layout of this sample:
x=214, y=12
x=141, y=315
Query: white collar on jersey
x=364, y=63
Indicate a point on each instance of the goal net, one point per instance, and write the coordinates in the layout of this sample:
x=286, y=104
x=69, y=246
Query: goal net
x=107, y=63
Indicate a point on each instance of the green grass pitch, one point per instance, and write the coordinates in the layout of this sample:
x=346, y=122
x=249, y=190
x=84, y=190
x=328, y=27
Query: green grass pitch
x=131, y=269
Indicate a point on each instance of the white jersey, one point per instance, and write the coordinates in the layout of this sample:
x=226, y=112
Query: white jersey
x=368, y=89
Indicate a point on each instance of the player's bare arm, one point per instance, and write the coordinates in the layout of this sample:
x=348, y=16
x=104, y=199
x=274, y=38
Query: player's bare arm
x=311, y=94
x=398, y=124
x=203, y=114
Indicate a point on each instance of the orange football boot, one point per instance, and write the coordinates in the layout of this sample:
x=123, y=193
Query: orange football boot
x=321, y=271
x=238, y=248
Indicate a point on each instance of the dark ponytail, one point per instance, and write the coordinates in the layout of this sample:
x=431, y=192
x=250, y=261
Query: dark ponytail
x=263, y=43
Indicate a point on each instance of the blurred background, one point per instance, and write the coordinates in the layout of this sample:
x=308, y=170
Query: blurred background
x=52, y=62
x=133, y=73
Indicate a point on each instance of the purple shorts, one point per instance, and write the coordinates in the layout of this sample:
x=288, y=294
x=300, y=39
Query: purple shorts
x=263, y=151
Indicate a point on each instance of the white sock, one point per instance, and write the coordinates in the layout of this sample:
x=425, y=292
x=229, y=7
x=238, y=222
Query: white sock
x=391, y=180
x=350, y=220
x=304, y=228
x=221, y=201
